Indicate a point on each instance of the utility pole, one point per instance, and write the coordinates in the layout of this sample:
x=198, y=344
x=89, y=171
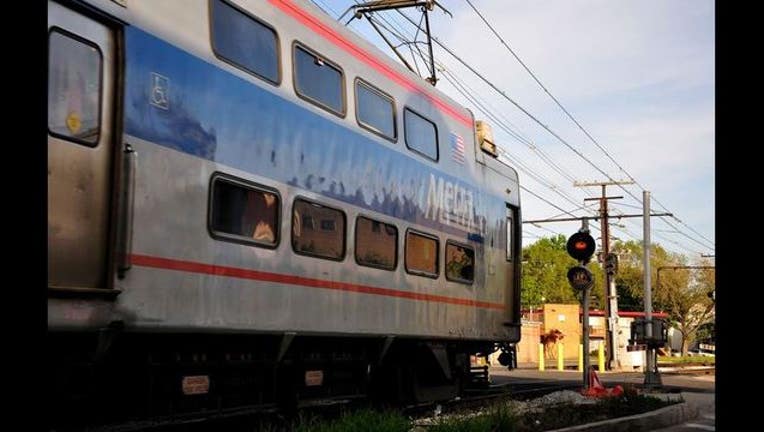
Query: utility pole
x=652, y=375
x=611, y=308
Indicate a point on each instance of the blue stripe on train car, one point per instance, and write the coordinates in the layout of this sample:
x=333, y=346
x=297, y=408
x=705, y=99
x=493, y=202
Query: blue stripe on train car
x=179, y=101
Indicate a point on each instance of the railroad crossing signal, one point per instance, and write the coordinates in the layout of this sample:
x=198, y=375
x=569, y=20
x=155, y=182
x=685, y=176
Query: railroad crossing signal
x=580, y=278
x=581, y=246
x=611, y=263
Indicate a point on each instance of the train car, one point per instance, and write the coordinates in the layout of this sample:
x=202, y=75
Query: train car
x=250, y=205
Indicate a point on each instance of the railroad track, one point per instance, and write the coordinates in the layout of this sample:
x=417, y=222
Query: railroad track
x=479, y=398
x=246, y=418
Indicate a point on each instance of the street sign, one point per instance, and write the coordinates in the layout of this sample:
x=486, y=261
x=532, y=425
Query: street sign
x=581, y=246
x=580, y=278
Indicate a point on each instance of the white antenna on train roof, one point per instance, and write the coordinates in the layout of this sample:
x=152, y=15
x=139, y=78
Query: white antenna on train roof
x=368, y=8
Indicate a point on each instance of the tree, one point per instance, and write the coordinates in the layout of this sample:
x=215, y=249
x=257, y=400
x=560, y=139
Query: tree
x=689, y=306
x=682, y=293
x=545, y=269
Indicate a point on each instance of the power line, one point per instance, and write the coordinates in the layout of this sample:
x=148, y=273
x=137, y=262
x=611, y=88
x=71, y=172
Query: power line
x=684, y=234
x=516, y=161
x=325, y=7
x=691, y=228
x=549, y=93
x=470, y=96
x=559, y=104
x=531, y=116
x=520, y=107
x=544, y=157
x=547, y=229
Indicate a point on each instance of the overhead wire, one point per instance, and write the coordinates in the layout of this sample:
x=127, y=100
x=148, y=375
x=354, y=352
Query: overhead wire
x=470, y=96
x=586, y=132
x=393, y=30
x=522, y=109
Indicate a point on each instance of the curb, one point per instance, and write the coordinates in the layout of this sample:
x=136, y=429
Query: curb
x=661, y=418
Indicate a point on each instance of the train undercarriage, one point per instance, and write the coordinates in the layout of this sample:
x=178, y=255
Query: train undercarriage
x=113, y=376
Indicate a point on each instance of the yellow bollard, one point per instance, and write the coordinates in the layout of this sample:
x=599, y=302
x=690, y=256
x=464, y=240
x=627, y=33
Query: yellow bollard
x=580, y=357
x=560, y=357
x=541, y=357
x=601, y=356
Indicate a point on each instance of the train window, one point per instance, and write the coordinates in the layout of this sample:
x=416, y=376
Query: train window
x=326, y=242
x=460, y=263
x=243, y=212
x=245, y=41
x=376, y=243
x=74, y=88
x=375, y=110
x=318, y=80
x=421, y=254
x=421, y=134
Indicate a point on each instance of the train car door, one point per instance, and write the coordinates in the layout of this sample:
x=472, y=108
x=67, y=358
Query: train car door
x=513, y=232
x=81, y=54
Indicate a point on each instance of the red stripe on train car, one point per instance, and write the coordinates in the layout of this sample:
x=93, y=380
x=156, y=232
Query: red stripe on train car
x=313, y=23
x=217, y=270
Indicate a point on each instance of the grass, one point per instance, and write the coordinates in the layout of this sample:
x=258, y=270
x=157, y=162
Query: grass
x=500, y=417
x=366, y=420
x=696, y=359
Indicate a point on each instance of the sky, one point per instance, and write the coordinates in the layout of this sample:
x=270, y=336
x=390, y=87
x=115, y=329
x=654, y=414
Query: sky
x=637, y=75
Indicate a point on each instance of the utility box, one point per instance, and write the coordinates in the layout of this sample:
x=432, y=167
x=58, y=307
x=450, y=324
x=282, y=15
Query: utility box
x=639, y=330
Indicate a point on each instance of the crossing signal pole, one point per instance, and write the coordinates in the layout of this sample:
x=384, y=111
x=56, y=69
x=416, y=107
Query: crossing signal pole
x=581, y=246
x=611, y=306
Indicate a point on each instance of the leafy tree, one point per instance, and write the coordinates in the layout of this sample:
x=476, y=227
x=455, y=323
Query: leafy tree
x=689, y=305
x=545, y=269
x=682, y=293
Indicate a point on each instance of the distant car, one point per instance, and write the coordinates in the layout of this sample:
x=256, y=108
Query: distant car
x=704, y=347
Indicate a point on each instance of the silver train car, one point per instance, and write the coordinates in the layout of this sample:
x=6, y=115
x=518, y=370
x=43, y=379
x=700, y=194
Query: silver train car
x=248, y=205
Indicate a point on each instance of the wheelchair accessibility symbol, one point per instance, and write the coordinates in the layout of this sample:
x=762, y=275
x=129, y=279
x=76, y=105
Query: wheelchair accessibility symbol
x=160, y=87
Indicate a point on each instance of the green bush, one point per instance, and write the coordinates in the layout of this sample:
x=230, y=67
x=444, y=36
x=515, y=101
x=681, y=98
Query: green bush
x=498, y=418
x=366, y=420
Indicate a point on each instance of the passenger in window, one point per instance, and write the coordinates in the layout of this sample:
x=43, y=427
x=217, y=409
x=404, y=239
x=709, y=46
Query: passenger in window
x=264, y=232
x=259, y=216
x=459, y=262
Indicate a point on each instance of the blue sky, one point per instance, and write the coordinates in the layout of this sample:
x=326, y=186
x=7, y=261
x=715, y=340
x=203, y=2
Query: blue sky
x=638, y=75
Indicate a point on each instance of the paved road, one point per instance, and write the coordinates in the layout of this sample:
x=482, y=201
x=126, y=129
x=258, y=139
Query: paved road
x=692, y=382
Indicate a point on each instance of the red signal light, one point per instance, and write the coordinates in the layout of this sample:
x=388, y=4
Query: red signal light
x=580, y=246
